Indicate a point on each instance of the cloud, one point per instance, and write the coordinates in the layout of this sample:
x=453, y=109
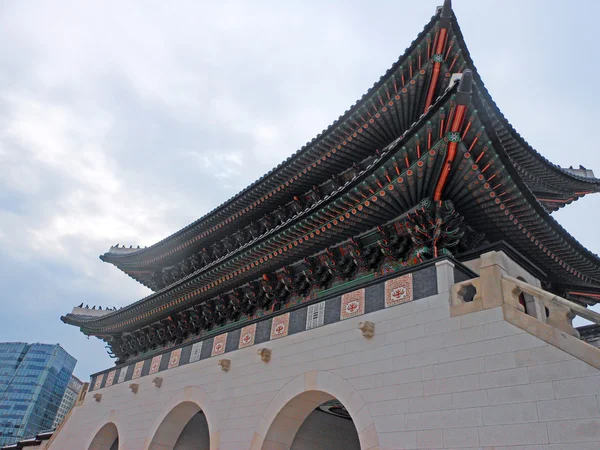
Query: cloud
x=124, y=122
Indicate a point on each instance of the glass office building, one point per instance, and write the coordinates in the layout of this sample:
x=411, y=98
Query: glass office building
x=68, y=400
x=33, y=380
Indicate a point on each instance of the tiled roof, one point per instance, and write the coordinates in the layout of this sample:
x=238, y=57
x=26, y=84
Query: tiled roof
x=397, y=139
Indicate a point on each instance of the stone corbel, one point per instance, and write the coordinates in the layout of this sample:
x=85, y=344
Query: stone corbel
x=225, y=364
x=367, y=328
x=265, y=354
x=134, y=387
x=97, y=397
x=157, y=382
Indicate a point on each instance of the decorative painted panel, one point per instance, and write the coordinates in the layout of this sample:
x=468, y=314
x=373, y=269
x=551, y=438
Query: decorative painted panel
x=219, y=344
x=315, y=315
x=155, y=364
x=110, y=378
x=174, y=359
x=122, y=374
x=280, y=326
x=353, y=304
x=98, y=382
x=196, y=351
x=137, y=370
x=247, y=336
x=399, y=290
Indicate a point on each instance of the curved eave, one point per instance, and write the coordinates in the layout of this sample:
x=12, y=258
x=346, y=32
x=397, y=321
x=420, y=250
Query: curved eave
x=565, y=180
x=553, y=205
x=121, y=259
x=547, y=218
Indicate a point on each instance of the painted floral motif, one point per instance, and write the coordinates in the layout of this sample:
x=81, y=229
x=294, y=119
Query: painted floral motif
x=137, y=369
x=155, y=364
x=352, y=307
x=110, y=378
x=174, y=359
x=219, y=344
x=247, y=336
x=353, y=304
x=98, y=382
x=398, y=290
x=280, y=326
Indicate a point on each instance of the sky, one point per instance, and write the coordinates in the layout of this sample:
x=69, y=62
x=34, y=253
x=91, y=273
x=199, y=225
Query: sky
x=122, y=122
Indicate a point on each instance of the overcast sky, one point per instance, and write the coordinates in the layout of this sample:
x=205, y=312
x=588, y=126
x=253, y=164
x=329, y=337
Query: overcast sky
x=124, y=122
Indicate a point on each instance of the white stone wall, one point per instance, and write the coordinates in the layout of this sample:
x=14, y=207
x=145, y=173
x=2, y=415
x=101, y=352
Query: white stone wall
x=425, y=380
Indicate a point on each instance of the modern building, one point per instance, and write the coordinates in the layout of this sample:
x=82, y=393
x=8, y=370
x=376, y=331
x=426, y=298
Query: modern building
x=33, y=380
x=68, y=400
x=398, y=282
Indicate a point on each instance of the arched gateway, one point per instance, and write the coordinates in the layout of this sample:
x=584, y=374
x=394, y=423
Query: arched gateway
x=303, y=421
x=183, y=424
x=184, y=428
x=107, y=438
x=317, y=408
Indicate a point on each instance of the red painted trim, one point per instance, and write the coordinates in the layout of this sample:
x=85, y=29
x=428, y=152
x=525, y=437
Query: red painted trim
x=550, y=200
x=436, y=69
x=584, y=294
x=456, y=124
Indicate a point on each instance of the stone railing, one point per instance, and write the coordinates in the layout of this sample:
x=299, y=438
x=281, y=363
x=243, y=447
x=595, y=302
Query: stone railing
x=559, y=311
x=494, y=287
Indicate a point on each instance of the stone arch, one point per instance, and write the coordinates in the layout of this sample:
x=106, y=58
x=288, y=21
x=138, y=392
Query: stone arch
x=289, y=408
x=106, y=438
x=176, y=414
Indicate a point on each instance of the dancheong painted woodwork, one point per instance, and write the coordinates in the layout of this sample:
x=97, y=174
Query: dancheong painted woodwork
x=424, y=165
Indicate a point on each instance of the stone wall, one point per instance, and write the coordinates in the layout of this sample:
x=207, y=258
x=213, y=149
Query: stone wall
x=425, y=379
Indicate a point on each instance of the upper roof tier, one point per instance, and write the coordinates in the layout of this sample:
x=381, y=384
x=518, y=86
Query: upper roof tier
x=339, y=147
